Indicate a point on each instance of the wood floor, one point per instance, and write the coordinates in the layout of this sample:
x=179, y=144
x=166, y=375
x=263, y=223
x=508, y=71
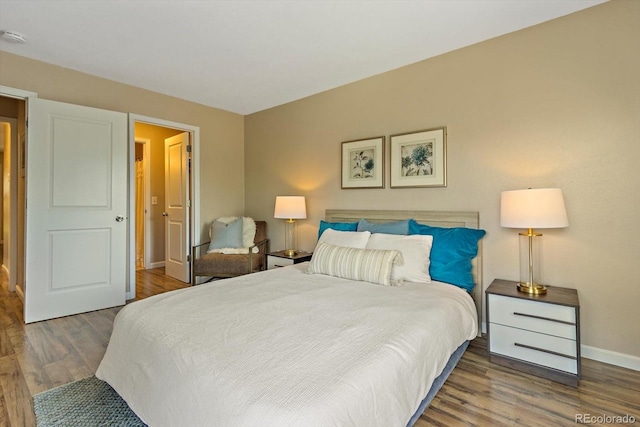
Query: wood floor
x=43, y=355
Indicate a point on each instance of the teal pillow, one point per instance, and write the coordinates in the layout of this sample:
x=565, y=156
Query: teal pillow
x=395, y=227
x=226, y=235
x=451, y=253
x=340, y=226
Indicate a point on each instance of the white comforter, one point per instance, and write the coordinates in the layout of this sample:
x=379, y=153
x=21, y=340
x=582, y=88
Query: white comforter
x=284, y=348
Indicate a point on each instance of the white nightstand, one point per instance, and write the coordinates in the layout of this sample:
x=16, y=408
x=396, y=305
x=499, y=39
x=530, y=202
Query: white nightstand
x=279, y=259
x=538, y=334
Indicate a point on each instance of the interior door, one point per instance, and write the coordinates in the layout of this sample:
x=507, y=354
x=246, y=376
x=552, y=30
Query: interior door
x=176, y=188
x=76, y=232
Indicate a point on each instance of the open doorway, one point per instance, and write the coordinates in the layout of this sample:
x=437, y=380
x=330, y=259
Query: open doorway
x=12, y=167
x=149, y=236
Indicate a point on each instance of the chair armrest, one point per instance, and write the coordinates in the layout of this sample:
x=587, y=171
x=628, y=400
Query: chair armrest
x=201, y=244
x=264, y=244
x=263, y=249
x=196, y=249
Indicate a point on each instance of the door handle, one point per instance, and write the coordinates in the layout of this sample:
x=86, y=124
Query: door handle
x=165, y=214
x=119, y=218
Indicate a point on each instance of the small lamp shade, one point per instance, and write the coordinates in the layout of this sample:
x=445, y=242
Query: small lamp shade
x=290, y=207
x=533, y=208
x=529, y=209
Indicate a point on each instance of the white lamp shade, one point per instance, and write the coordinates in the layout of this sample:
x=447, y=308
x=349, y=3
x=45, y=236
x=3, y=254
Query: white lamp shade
x=290, y=207
x=533, y=208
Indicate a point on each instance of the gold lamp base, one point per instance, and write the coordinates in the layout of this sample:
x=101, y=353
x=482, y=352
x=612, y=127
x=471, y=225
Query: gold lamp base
x=534, y=289
x=290, y=252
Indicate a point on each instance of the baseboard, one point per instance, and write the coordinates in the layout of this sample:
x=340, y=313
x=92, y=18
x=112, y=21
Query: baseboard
x=5, y=271
x=611, y=357
x=158, y=264
x=20, y=292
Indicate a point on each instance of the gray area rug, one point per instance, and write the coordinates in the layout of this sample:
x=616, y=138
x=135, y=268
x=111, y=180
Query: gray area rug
x=86, y=403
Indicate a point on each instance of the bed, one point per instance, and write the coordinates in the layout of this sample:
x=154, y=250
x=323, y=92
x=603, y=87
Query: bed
x=284, y=347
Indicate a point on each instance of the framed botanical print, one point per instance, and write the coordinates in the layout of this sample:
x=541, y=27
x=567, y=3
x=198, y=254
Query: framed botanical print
x=419, y=159
x=363, y=163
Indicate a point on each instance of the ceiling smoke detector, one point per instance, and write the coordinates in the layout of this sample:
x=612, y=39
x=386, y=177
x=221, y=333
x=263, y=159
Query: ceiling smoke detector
x=12, y=36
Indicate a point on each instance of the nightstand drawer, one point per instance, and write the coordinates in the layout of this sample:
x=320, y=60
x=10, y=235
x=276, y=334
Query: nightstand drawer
x=275, y=262
x=550, y=319
x=541, y=349
x=279, y=259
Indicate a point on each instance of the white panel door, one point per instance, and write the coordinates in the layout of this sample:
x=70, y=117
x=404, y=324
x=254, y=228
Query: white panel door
x=176, y=190
x=76, y=233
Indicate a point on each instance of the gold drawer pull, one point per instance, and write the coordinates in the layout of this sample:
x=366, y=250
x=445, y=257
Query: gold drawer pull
x=515, y=313
x=530, y=347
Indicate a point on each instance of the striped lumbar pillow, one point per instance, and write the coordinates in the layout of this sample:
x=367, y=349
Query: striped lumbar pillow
x=368, y=265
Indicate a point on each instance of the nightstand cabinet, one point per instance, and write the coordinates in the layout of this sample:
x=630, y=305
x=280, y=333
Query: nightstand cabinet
x=538, y=334
x=279, y=259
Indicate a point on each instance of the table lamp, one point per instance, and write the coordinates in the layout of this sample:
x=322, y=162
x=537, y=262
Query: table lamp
x=290, y=208
x=532, y=208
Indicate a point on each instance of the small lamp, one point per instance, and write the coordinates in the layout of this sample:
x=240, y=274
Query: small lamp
x=290, y=208
x=532, y=208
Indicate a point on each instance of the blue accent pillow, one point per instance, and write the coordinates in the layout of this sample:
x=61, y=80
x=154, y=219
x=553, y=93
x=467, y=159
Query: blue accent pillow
x=340, y=226
x=451, y=253
x=226, y=235
x=395, y=227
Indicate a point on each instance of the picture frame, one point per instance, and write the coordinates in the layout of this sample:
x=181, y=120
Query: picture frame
x=363, y=163
x=419, y=159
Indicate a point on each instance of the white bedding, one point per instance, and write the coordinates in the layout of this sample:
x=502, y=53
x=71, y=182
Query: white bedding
x=284, y=348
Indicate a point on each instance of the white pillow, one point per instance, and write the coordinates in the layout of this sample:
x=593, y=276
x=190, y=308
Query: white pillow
x=415, y=250
x=348, y=239
x=367, y=265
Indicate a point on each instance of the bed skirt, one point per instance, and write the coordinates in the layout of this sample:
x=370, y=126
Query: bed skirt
x=439, y=381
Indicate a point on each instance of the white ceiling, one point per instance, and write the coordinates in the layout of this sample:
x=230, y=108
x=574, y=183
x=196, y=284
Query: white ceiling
x=246, y=56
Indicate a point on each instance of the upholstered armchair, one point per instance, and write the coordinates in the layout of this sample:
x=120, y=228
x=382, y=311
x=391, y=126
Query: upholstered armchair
x=234, y=261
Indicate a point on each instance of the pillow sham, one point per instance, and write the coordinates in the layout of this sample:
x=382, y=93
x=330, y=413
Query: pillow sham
x=226, y=235
x=415, y=252
x=349, y=239
x=452, y=251
x=367, y=265
x=395, y=227
x=340, y=226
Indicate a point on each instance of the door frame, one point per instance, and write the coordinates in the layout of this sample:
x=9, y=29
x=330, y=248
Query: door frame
x=25, y=95
x=11, y=245
x=146, y=164
x=194, y=184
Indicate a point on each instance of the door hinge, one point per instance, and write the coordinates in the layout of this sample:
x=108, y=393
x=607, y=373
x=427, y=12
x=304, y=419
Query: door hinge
x=188, y=258
x=188, y=148
x=188, y=203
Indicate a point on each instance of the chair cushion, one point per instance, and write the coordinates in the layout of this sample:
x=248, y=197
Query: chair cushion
x=225, y=265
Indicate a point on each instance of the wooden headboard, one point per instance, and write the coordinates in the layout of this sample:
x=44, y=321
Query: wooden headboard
x=433, y=218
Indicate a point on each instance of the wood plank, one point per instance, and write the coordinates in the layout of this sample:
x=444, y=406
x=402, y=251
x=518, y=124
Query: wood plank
x=17, y=398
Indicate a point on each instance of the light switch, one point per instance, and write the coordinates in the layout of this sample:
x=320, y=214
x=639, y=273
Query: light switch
x=154, y=200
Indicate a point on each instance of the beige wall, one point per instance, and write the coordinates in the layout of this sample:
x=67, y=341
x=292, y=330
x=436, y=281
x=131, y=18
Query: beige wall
x=221, y=132
x=555, y=105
